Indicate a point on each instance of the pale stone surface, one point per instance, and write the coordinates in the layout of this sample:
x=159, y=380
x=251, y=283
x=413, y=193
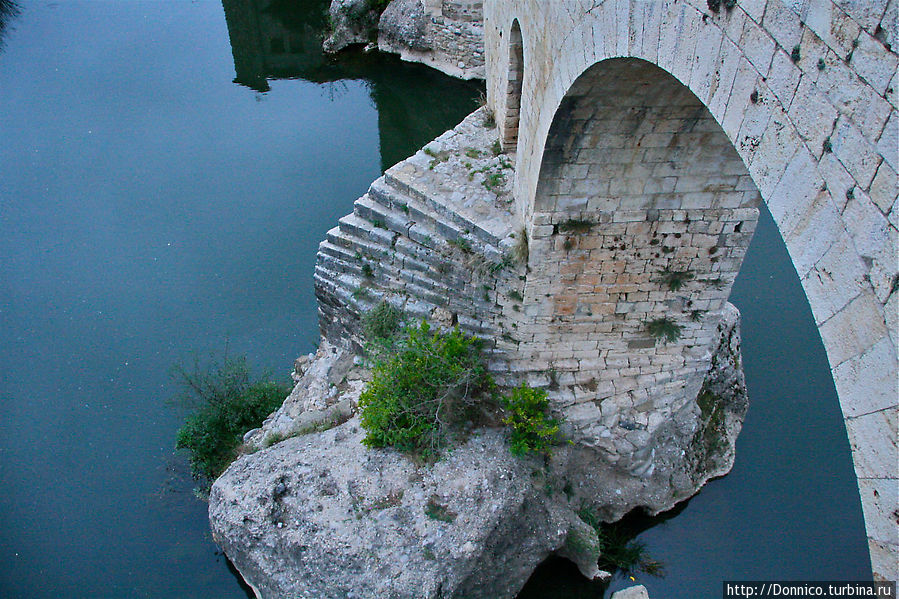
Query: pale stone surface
x=635, y=592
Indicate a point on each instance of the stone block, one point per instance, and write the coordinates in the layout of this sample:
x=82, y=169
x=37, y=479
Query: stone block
x=874, y=63
x=888, y=144
x=867, y=383
x=856, y=153
x=783, y=24
x=835, y=280
x=758, y=46
x=884, y=187
x=830, y=24
x=844, y=338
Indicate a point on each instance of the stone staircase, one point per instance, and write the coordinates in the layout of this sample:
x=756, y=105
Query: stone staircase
x=431, y=246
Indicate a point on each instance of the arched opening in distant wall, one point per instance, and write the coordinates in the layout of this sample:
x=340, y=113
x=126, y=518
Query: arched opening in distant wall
x=642, y=217
x=513, y=88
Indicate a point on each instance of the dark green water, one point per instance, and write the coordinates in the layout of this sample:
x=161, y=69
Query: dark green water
x=151, y=208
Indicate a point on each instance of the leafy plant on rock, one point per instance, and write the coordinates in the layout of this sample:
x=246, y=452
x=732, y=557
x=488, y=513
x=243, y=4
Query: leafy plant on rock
x=419, y=397
x=533, y=429
x=225, y=402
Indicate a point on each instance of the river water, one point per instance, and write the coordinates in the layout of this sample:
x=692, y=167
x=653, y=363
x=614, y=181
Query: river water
x=162, y=195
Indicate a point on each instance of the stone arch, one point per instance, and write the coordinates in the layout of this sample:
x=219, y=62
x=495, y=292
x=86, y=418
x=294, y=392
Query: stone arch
x=642, y=215
x=513, y=88
x=814, y=120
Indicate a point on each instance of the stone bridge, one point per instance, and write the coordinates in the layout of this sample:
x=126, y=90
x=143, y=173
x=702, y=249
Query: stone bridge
x=639, y=138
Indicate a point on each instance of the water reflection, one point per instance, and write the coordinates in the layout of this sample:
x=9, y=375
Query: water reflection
x=281, y=39
x=9, y=10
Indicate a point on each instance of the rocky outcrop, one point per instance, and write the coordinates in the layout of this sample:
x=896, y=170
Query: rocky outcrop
x=448, y=35
x=352, y=22
x=310, y=512
x=320, y=516
x=316, y=514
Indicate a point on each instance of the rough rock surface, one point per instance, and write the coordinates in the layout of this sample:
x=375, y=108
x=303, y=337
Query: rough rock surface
x=448, y=35
x=352, y=22
x=635, y=592
x=404, y=23
x=319, y=515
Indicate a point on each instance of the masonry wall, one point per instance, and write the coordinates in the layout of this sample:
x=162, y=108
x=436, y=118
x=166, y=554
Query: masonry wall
x=805, y=91
x=642, y=217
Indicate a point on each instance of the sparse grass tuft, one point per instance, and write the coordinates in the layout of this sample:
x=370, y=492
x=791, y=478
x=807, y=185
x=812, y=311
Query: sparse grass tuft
x=664, y=328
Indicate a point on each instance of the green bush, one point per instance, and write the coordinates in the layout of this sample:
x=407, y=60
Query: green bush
x=225, y=402
x=418, y=396
x=532, y=427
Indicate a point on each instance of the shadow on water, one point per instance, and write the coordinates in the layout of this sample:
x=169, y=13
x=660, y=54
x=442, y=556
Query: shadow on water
x=281, y=39
x=9, y=10
x=558, y=577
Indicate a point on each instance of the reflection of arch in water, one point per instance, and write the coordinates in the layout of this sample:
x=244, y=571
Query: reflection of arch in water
x=820, y=159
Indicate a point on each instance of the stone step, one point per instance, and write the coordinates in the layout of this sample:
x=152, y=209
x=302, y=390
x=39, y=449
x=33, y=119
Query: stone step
x=449, y=226
x=410, y=186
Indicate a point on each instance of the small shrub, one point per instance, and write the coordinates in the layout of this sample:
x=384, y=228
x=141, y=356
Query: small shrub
x=367, y=271
x=463, y=244
x=225, y=402
x=472, y=153
x=575, y=225
x=533, y=430
x=496, y=148
x=493, y=181
x=382, y=322
x=796, y=54
x=618, y=548
x=417, y=397
x=676, y=279
x=664, y=328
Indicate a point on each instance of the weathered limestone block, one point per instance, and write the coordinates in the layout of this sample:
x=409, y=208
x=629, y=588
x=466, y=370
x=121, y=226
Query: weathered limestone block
x=320, y=516
x=352, y=22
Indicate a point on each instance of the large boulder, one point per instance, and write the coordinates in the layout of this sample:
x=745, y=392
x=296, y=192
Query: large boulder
x=352, y=22
x=321, y=516
x=404, y=24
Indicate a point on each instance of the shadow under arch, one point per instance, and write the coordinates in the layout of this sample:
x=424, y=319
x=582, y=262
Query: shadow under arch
x=641, y=219
x=513, y=88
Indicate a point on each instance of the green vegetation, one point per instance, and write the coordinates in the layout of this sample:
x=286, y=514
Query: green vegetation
x=436, y=511
x=676, y=279
x=496, y=148
x=533, y=430
x=494, y=181
x=420, y=395
x=618, y=548
x=436, y=157
x=575, y=225
x=664, y=328
x=463, y=244
x=225, y=401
